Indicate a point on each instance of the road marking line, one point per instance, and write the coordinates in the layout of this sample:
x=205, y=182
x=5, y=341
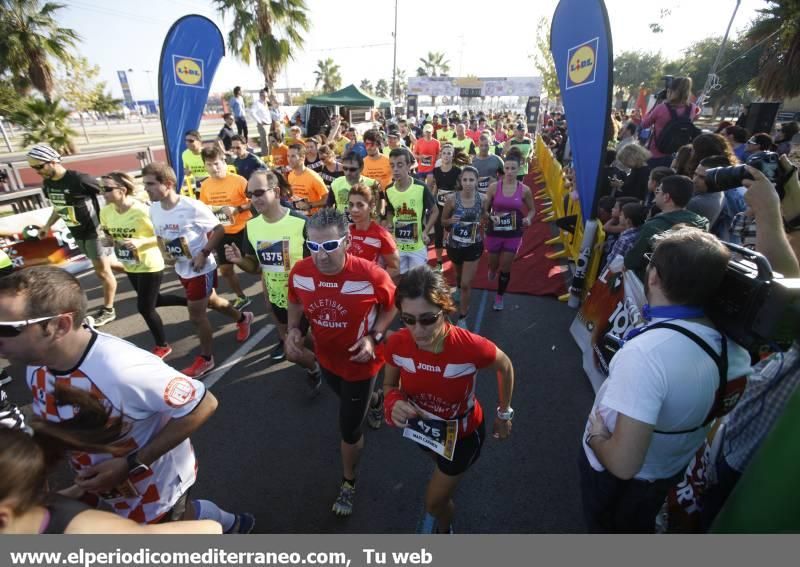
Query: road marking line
x=481, y=309
x=213, y=377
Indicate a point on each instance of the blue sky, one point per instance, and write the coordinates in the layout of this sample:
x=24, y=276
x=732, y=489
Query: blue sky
x=478, y=37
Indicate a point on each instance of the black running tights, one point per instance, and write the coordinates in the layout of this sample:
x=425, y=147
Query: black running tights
x=148, y=297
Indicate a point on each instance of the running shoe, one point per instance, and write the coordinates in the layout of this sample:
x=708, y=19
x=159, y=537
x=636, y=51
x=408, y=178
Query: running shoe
x=462, y=323
x=199, y=367
x=243, y=331
x=457, y=295
x=498, y=303
x=104, y=316
x=162, y=352
x=375, y=413
x=278, y=353
x=491, y=275
x=242, y=302
x=344, y=502
x=314, y=382
x=243, y=524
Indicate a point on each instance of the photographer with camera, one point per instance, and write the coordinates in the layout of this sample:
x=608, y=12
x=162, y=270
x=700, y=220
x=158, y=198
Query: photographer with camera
x=774, y=379
x=670, y=120
x=669, y=380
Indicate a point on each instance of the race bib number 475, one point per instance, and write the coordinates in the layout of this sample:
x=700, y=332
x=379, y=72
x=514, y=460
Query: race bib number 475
x=435, y=434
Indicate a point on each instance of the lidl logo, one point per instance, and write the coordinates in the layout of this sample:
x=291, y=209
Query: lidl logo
x=188, y=71
x=582, y=64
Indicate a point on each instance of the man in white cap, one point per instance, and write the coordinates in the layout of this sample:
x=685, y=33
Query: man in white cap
x=74, y=196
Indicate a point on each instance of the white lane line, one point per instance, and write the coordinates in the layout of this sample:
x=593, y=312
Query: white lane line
x=213, y=377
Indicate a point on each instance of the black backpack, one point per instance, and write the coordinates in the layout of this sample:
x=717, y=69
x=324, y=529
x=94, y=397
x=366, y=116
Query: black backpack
x=679, y=131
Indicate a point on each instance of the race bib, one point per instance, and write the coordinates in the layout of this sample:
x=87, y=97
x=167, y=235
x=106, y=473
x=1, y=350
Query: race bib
x=124, y=255
x=426, y=161
x=506, y=222
x=273, y=256
x=464, y=232
x=405, y=232
x=223, y=218
x=442, y=195
x=178, y=248
x=483, y=184
x=436, y=434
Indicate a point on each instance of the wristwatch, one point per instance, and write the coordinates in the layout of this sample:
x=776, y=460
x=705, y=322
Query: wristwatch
x=507, y=415
x=205, y=252
x=377, y=336
x=135, y=466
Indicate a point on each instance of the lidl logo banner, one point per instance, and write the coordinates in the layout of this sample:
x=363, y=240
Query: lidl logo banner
x=190, y=56
x=580, y=41
x=188, y=71
x=581, y=66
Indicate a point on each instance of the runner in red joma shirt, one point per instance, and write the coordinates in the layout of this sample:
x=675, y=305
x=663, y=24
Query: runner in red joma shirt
x=349, y=303
x=430, y=381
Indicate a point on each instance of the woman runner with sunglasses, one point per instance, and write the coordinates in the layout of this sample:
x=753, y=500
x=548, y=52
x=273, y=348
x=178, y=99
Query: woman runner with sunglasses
x=130, y=232
x=430, y=388
x=349, y=303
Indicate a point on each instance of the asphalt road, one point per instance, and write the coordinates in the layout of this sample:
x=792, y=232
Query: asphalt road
x=273, y=452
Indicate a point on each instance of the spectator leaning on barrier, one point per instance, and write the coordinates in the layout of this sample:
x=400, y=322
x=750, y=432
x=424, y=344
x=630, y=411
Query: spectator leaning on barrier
x=650, y=415
x=672, y=196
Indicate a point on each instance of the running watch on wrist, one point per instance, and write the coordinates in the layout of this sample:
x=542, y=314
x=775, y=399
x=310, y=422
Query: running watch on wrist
x=507, y=415
x=377, y=336
x=135, y=466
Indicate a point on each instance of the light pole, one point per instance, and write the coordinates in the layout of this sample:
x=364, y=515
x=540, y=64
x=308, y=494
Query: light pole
x=394, y=63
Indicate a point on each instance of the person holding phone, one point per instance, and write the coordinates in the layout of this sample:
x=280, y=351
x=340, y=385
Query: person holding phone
x=430, y=382
x=308, y=189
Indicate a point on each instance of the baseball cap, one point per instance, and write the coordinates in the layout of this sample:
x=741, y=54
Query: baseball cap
x=521, y=126
x=393, y=132
x=44, y=153
x=427, y=128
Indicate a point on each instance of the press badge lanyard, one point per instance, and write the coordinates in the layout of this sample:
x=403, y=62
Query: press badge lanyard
x=668, y=312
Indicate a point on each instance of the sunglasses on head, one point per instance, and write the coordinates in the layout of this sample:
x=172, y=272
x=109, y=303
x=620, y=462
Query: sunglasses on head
x=14, y=328
x=328, y=245
x=426, y=319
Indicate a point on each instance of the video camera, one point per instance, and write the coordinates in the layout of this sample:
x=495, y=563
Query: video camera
x=731, y=177
x=662, y=94
x=753, y=306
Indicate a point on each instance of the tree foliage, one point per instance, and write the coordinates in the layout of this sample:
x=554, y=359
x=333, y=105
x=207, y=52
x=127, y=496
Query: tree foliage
x=633, y=69
x=327, y=74
x=382, y=88
x=31, y=40
x=45, y=121
x=543, y=60
x=366, y=86
x=267, y=29
x=433, y=65
x=777, y=29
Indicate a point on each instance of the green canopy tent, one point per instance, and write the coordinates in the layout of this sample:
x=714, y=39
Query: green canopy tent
x=351, y=96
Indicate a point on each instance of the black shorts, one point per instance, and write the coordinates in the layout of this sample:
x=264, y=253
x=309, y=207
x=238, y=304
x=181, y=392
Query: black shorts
x=438, y=230
x=228, y=239
x=354, y=398
x=467, y=452
x=470, y=253
x=282, y=316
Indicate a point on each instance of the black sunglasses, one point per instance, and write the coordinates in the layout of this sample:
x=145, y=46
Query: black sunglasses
x=107, y=189
x=351, y=168
x=39, y=167
x=14, y=328
x=426, y=319
x=256, y=193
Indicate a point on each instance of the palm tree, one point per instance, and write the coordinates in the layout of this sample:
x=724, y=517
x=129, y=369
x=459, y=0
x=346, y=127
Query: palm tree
x=402, y=84
x=365, y=85
x=434, y=65
x=47, y=122
x=778, y=27
x=382, y=88
x=327, y=73
x=29, y=37
x=270, y=29
x=105, y=104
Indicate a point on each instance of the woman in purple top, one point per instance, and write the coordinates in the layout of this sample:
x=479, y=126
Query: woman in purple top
x=504, y=204
x=659, y=116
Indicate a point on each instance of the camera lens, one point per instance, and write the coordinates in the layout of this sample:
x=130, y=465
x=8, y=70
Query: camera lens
x=724, y=178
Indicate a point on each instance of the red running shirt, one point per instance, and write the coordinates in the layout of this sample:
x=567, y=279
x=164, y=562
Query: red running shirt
x=444, y=383
x=372, y=243
x=341, y=310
